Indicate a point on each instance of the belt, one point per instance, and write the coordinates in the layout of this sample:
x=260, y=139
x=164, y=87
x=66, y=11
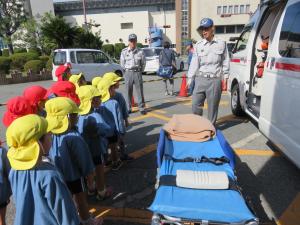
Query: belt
x=133, y=70
x=209, y=75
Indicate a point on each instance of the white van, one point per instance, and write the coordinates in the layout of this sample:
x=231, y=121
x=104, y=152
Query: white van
x=265, y=74
x=90, y=62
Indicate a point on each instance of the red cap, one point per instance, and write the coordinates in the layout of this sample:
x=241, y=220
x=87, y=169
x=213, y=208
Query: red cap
x=34, y=94
x=16, y=107
x=60, y=71
x=64, y=89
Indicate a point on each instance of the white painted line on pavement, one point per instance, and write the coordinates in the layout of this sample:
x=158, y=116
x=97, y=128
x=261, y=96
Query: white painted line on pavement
x=246, y=140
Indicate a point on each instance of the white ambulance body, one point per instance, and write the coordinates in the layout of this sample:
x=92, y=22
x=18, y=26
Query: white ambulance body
x=265, y=74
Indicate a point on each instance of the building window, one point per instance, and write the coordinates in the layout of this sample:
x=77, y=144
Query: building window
x=126, y=26
x=289, y=43
x=219, y=10
x=236, y=9
x=220, y=29
x=224, y=9
x=247, y=8
x=230, y=9
x=239, y=28
x=230, y=29
x=242, y=9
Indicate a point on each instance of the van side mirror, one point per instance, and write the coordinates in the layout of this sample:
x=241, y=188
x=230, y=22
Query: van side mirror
x=234, y=38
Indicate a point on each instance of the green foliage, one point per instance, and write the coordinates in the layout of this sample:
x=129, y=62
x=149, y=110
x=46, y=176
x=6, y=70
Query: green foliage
x=57, y=32
x=20, y=50
x=4, y=65
x=86, y=39
x=19, y=59
x=109, y=49
x=5, y=52
x=118, y=48
x=49, y=64
x=34, y=65
x=44, y=58
x=35, y=51
x=0, y=52
x=139, y=45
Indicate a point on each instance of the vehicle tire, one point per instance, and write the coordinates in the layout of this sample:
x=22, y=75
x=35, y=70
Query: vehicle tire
x=235, y=103
x=119, y=73
x=181, y=66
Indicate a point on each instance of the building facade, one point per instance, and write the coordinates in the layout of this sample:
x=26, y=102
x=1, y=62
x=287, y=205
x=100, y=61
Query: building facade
x=229, y=17
x=116, y=19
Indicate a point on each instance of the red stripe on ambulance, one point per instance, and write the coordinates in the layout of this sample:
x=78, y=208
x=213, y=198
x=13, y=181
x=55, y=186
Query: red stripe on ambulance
x=287, y=66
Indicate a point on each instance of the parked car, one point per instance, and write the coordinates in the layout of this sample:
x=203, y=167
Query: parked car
x=90, y=62
x=264, y=76
x=152, y=60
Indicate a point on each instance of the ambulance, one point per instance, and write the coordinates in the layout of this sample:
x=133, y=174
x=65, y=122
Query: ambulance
x=264, y=78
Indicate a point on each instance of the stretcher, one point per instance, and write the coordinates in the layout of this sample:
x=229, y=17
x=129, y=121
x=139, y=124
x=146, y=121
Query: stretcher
x=211, y=197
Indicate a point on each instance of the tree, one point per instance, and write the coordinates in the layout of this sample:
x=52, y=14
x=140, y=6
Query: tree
x=86, y=39
x=56, y=32
x=12, y=15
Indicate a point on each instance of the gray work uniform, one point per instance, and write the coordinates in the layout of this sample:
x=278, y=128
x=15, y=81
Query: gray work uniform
x=210, y=64
x=133, y=62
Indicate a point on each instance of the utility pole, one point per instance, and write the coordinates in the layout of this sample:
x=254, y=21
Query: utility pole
x=84, y=14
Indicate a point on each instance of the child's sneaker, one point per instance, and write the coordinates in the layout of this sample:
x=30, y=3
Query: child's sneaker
x=116, y=165
x=93, y=221
x=106, y=193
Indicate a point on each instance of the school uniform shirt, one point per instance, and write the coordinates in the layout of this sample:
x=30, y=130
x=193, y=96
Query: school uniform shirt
x=112, y=114
x=94, y=130
x=41, y=197
x=70, y=154
x=5, y=190
x=122, y=103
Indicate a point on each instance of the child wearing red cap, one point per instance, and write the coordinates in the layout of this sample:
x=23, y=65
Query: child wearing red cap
x=16, y=107
x=36, y=96
x=63, y=73
x=64, y=89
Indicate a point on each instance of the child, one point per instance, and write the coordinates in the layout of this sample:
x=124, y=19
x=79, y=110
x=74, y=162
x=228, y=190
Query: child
x=96, y=81
x=94, y=130
x=36, y=96
x=63, y=73
x=15, y=108
x=5, y=191
x=40, y=194
x=78, y=81
x=64, y=89
x=124, y=110
x=113, y=116
x=69, y=151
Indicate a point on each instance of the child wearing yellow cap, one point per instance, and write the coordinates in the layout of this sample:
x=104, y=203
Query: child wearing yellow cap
x=124, y=110
x=78, y=80
x=40, y=194
x=110, y=110
x=69, y=151
x=94, y=130
x=5, y=190
x=96, y=81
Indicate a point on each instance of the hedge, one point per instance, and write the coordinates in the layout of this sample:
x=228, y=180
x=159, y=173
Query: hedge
x=44, y=58
x=0, y=52
x=35, y=50
x=49, y=64
x=4, y=64
x=19, y=59
x=34, y=65
x=109, y=49
x=20, y=50
x=139, y=45
x=5, y=52
x=118, y=48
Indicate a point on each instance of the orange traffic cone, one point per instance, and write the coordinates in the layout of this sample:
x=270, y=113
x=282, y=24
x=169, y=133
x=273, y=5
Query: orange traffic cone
x=183, y=88
x=132, y=101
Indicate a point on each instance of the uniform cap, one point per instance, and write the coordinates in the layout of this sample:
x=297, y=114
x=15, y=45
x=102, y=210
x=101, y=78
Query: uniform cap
x=86, y=94
x=96, y=80
x=112, y=76
x=103, y=87
x=205, y=23
x=132, y=37
x=58, y=110
x=23, y=143
x=16, y=107
x=35, y=94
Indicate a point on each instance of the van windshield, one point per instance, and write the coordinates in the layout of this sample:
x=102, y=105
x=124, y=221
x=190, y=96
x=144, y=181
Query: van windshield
x=59, y=58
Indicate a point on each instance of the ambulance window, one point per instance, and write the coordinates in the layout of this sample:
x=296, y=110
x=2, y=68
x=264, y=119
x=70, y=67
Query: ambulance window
x=289, y=42
x=242, y=42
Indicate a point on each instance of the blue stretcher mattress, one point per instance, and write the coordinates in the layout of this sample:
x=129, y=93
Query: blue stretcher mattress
x=191, y=204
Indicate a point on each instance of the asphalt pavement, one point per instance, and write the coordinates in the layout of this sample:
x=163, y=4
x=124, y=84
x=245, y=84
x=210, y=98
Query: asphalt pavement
x=265, y=175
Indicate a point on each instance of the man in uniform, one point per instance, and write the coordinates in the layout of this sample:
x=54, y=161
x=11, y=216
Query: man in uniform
x=210, y=64
x=133, y=62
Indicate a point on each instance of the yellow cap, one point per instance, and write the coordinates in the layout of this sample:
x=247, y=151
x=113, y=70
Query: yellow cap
x=112, y=76
x=104, y=86
x=22, y=138
x=86, y=94
x=75, y=78
x=96, y=81
x=57, y=113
